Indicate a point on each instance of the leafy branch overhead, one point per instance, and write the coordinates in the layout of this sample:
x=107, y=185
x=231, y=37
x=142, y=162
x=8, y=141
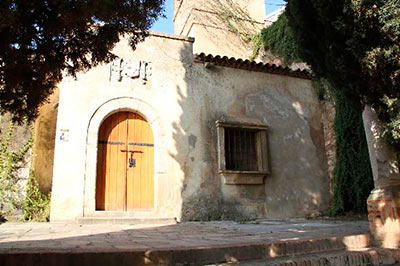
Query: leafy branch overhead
x=278, y=39
x=42, y=39
x=353, y=45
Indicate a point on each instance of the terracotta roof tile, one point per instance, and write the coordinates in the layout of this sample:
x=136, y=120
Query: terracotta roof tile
x=251, y=65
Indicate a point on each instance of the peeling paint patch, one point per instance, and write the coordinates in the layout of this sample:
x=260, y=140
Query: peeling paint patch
x=192, y=141
x=275, y=103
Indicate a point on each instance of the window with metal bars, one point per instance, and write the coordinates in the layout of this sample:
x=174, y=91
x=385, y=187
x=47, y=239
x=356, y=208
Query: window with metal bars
x=240, y=149
x=242, y=152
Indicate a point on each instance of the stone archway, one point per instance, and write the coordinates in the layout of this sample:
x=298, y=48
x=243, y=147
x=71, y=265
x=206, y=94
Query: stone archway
x=104, y=111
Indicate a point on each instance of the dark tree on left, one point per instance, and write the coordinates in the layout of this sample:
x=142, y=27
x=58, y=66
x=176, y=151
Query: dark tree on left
x=42, y=40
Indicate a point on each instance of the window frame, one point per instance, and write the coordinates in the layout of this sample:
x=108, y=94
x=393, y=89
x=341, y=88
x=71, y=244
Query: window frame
x=239, y=176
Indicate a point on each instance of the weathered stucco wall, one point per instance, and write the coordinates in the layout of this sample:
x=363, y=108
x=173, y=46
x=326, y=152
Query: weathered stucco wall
x=297, y=185
x=82, y=99
x=220, y=27
x=182, y=101
x=43, y=146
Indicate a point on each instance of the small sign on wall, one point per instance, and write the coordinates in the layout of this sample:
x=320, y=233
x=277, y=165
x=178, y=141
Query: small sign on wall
x=64, y=135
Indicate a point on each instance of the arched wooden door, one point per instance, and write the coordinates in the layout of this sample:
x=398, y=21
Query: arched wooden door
x=125, y=164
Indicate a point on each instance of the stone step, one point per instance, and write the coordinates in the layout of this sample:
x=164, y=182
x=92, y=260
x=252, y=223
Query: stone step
x=363, y=257
x=124, y=220
x=278, y=252
x=306, y=246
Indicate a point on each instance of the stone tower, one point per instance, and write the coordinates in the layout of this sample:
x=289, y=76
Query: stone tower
x=220, y=27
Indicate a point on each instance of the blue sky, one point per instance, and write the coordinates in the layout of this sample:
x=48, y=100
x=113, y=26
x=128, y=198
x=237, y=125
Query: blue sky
x=165, y=25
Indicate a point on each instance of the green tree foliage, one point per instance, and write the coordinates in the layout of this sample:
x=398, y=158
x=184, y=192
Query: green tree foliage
x=278, y=38
x=353, y=174
x=355, y=45
x=36, y=205
x=42, y=39
x=10, y=162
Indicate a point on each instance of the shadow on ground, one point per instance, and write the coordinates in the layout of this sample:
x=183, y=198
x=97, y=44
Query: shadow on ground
x=56, y=243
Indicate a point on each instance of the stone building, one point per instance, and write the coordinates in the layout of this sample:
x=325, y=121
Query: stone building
x=186, y=128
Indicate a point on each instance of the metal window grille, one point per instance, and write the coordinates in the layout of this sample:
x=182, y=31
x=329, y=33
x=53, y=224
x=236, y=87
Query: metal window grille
x=240, y=149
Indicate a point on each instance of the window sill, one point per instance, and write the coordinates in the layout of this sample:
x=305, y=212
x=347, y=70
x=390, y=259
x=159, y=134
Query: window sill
x=243, y=177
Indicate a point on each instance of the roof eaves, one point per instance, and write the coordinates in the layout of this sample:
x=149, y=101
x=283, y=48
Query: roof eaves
x=251, y=65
